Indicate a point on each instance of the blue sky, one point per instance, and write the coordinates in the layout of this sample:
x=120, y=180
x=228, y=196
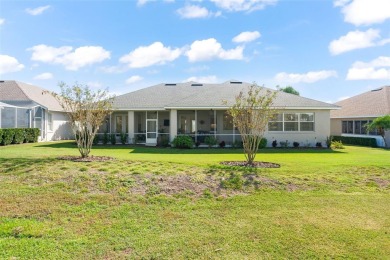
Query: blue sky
x=327, y=50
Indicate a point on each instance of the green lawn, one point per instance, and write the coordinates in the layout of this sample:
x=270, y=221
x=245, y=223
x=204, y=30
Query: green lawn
x=175, y=204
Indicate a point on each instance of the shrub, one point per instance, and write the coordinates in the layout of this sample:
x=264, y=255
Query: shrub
x=210, y=141
x=263, y=143
x=284, y=144
x=19, y=134
x=1, y=135
x=274, y=143
x=222, y=144
x=105, y=138
x=319, y=145
x=337, y=145
x=8, y=136
x=296, y=144
x=362, y=141
x=183, y=142
x=123, y=138
x=31, y=135
x=113, y=138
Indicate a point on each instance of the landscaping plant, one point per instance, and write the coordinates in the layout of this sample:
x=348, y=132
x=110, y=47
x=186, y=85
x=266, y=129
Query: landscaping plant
x=86, y=110
x=251, y=112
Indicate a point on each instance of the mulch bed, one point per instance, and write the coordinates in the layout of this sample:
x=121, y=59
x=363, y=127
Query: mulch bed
x=90, y=158
x=254, y=165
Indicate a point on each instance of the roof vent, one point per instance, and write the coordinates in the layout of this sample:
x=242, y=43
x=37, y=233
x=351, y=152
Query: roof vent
x=235, y=82
x=378, y=89
x=170, y=84
x=196, y=85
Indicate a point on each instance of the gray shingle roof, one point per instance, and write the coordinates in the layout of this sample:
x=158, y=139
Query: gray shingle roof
x=373, y=103
x=21, y=94
x=197, y=95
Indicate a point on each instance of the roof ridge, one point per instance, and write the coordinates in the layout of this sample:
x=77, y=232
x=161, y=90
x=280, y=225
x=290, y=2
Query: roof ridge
x=21, y=89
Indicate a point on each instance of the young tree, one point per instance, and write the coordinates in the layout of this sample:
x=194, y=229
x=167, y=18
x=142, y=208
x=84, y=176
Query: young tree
x=381, y=123
x=251, y=113
x=288, y=89
x=87, y=110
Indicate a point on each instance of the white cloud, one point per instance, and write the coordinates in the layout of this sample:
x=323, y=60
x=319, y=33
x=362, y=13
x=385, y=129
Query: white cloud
x=364, y=12
x=341, y=2
x=9, y=64
x=72, y=60
x=44, y=76
x=309, y=77
x=133, y=79
x=243, y=5
x=356, y=40
x=154, y=54
x=193, y=11
x=247, y=37
x=378, y=68
x=2, y=21
x=38, y=10
x=211, y=49
x=203, y=79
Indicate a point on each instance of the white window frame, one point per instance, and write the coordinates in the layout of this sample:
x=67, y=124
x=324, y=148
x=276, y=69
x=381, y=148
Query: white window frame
x=299, y=121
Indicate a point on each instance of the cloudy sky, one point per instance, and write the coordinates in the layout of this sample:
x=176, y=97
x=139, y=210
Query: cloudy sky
x=327, y=50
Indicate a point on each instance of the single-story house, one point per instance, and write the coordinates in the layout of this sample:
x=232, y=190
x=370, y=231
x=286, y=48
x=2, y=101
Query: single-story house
x=27, y=106
x=359, y=110
x=164, y=111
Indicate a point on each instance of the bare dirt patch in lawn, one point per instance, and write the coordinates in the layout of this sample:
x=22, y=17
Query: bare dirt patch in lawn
x=253, y=165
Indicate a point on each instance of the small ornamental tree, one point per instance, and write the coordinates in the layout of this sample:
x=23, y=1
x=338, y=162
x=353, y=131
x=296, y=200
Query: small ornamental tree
x=87, y=110
x=381, y=123
x=251, y=113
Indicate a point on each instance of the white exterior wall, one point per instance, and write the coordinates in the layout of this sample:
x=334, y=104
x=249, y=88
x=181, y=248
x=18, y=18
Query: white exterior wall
x=61, y=127
x=320, y=133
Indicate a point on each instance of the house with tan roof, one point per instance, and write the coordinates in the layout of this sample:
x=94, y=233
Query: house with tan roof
x=27, y=106
x=359, y=110
x=164, y=111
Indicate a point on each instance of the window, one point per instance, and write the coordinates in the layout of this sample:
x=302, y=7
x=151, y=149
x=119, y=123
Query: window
x=292, y=122
x=357, y=127
x=50, y=122
x=276, y=123
x=307, y=122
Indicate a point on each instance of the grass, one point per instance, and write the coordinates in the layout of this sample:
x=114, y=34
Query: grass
x=168, y=203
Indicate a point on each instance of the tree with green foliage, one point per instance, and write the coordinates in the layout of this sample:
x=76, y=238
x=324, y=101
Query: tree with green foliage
x=288, y=89
x=251, y=112
x=381, y=124
x=86, y=110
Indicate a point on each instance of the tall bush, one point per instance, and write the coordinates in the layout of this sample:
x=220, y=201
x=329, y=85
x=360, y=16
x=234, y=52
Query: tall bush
x=183, y=142
x=8, y=136
x=19, y=134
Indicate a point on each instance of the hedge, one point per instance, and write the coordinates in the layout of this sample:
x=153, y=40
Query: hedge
x=361, y=141
x=18, y=135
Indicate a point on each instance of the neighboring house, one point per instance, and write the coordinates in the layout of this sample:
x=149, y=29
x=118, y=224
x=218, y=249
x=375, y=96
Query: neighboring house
x=162, y=112
x=359, y=110
x=23, y=105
